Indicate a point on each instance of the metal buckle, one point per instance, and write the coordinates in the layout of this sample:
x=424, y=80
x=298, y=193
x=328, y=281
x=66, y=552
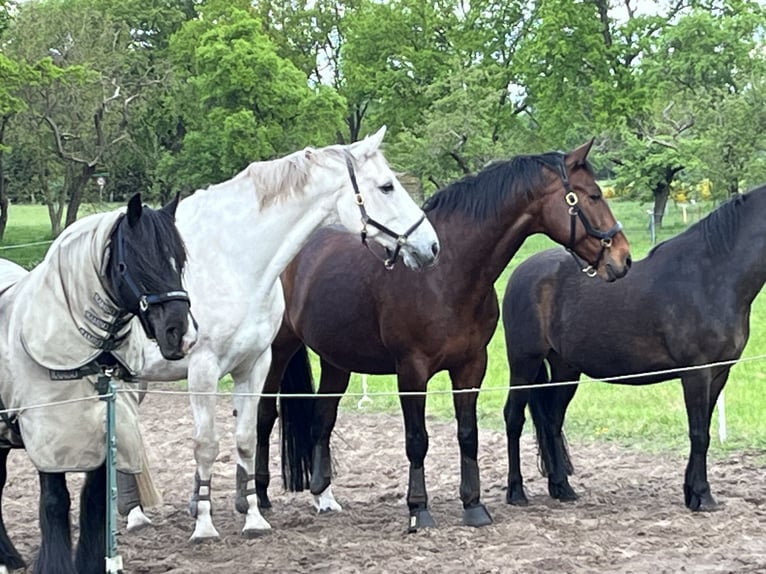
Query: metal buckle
x=590, y=271
x=606, y=242
x=359, y=199
x=571, y=198
x=143, y=304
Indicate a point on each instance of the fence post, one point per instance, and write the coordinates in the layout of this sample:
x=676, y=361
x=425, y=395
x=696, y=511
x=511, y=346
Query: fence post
x=721, y=405
x=107, y=389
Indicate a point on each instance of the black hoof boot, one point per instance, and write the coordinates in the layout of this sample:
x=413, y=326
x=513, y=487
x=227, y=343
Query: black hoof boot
x=420, y=519
x=476, y=515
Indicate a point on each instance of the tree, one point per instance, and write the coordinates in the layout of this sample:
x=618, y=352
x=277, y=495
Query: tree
x=239, y=100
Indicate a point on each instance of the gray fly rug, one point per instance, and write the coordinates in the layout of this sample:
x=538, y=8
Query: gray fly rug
x=51, y=319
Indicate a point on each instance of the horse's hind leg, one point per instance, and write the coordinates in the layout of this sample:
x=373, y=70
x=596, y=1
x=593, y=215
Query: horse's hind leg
x=469, y=376
x=523, y=372
x=55, y=556
x=89, y=558
x=9, y=556
x=701, y=390
x=332, y=381
x=548, y=406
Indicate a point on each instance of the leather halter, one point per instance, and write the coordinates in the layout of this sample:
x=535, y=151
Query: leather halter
x=145, y=301
x=574, y=213
x=401, y=239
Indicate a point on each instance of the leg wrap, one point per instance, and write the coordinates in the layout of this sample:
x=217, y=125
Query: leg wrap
x=197, y=497
x=127, y=493
x=243, y=491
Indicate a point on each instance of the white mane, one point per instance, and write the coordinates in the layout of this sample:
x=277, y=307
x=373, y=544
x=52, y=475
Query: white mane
x=287, y=176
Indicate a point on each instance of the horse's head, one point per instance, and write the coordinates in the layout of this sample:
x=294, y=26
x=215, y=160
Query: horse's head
x=580, y=217
x=375, y=203
x=144, y=270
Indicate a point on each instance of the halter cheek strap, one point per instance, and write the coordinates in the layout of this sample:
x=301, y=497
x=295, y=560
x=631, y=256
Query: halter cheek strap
x=145, y=300
x=576, y=213
x=401, y=239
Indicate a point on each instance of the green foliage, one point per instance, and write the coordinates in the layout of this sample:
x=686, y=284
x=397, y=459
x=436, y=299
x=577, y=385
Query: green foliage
x=239, y=100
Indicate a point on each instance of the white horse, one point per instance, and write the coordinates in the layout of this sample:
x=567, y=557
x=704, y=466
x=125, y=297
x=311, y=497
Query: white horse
x=240, y=235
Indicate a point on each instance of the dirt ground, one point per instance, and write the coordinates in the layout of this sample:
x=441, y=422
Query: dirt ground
x=630, y=516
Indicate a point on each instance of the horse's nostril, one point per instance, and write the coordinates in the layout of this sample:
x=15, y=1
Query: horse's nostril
x=172, y=334
x=435, y=249
x=628, y=262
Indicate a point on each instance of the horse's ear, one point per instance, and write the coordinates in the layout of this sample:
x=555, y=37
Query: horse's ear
x=170, y=208
x=309, y=153
x=134, y=209
x=369, y=145
x=578, y=156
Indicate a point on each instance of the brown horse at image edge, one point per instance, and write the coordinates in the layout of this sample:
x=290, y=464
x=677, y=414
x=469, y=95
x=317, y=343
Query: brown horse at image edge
x=358, y=316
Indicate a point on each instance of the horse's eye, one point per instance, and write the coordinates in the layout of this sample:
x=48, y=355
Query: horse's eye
x=595, y=197
x=387, y=188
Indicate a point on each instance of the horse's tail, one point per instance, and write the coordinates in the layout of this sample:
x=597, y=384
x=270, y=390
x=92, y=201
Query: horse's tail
x=148, y=493
x=539, y=399
x=296, y=415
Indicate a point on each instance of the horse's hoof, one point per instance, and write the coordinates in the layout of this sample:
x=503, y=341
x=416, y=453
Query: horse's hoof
x=516, y=496
x=420, y=519
x=200, y=538
x=251, y=533
x=137, y=520
x=700, y=501
x=477, y=516
x=325, y=503
x=562, y=491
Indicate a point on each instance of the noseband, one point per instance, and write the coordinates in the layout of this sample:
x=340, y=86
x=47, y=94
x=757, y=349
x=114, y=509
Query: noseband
x=574, y=213
x=145, y=301
x=401, y=240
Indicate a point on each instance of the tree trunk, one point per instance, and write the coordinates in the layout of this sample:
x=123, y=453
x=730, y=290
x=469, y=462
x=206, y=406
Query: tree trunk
x=661, y=193
x=76, y=187
x=3, y=191
x=53, y=201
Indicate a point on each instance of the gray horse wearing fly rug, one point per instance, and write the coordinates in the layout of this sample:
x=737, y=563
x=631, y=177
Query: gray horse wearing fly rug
x=63, y=324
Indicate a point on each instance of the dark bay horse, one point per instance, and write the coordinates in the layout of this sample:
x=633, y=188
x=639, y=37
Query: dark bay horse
x=686, y=304
x=360, y=317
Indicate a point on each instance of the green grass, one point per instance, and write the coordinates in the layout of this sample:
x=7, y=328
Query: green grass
x=652, y=417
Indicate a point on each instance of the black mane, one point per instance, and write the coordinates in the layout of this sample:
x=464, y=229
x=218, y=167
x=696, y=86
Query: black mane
x=481, y=195
x=720, y=227
x=148, y=248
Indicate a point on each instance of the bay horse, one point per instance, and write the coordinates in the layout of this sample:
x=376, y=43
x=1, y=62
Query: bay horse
x=360, y=317
x=240, y=236
x=63, y=324
x=686, y=304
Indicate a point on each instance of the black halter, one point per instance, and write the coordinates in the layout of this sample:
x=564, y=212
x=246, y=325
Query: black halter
x=401, y=240
x=145, y=301
x=574, y=212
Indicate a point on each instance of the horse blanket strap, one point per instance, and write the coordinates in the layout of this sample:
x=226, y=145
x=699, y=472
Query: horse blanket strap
x=96, y=367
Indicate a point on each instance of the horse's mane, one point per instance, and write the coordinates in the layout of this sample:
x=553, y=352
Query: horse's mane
x=157, y=228
x=287, y=176
x=481, y=195
x=720, y=227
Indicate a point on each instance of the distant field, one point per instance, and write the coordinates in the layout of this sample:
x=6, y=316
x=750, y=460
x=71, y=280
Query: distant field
x=653, y=417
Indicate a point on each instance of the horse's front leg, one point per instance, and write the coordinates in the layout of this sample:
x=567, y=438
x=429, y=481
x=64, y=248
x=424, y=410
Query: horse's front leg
x=55, y=555
x=203, y=378
x=9, y=556
x=248, y=382
x=469, y=376
x=91, y=546
x=701, y=390
x=414, y=378
x=332, y=381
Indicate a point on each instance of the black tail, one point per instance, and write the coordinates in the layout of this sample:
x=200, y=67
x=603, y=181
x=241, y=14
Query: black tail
x=539, y=400
x=296, y=416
